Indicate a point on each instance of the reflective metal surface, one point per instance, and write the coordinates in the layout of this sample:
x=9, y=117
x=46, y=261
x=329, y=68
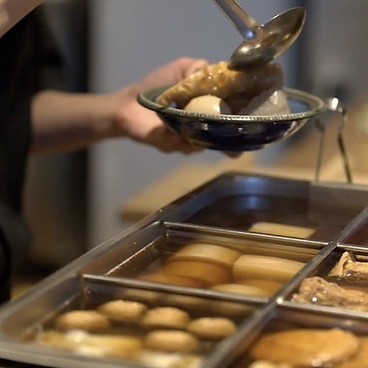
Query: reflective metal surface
x=237, y=132
x=247, y=26
x=114, y=269
x=262, y=43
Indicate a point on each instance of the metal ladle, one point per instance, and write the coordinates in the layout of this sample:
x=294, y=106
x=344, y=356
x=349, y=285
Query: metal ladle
x=262, y=43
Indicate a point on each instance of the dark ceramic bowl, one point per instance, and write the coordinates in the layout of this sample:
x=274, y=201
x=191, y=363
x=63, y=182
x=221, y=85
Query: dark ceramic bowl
x=236, y=132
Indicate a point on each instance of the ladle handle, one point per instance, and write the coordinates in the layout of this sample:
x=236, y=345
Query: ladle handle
x=334, y=105
x=246, y=25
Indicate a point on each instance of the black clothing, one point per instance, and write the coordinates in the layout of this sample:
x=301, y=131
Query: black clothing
x=22, y=54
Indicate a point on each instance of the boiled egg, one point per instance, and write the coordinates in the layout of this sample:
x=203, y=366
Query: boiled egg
x=208, y=104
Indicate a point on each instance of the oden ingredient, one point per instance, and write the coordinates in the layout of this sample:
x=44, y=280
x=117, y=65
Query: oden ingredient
x=307, y=347
x=216, y=89
x=317, y=290
x=208, y=104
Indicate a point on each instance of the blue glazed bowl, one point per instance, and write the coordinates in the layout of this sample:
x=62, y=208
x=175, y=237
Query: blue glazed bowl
x=236, y=133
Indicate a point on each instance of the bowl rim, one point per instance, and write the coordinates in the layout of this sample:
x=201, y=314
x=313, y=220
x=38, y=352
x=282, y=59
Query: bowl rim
x=317, y=107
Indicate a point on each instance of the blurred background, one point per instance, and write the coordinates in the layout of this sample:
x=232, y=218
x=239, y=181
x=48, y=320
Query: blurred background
x=73, y=201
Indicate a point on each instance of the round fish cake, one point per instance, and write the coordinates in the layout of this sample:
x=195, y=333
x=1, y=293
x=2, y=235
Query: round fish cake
x=94, y=345
x=168, y=317
x=211, y=328
x=86, y=320
x=123, y=310
x=307, y=347
x=175, y=341
x=361, y=358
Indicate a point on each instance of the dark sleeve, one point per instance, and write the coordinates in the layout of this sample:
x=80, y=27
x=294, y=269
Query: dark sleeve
x=5, y=271
x=25, y=53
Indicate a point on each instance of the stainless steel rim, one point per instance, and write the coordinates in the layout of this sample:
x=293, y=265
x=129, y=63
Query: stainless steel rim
x=316, y=107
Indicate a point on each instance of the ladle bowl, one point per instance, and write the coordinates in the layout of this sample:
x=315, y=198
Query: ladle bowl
x=277, y=36
x=236, y=133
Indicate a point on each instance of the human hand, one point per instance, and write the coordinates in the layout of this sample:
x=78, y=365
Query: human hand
x=142, y=125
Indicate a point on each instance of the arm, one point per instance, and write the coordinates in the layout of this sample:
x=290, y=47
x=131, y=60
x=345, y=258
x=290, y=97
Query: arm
x=64, y=121
x=11, y=11
x=68, y=121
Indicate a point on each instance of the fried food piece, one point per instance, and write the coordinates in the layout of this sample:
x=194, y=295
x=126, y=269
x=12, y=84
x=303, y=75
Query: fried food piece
x=123, y=310
x=349, y=269
x=86, y=320
x=307, y=347
x=217, y=80
x=175, y=341
x=169, y=317
x=211, y=328
x=317, y=290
